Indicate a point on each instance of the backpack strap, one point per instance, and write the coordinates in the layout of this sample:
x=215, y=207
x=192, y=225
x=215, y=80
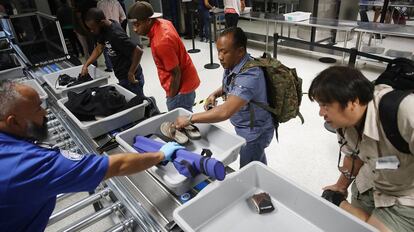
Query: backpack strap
x=388, y=112
x=273, y=111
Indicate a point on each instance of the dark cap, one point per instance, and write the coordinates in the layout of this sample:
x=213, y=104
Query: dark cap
x=140, y=11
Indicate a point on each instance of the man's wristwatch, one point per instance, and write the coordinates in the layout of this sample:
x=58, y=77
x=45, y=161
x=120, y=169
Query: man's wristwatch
x=189, y=119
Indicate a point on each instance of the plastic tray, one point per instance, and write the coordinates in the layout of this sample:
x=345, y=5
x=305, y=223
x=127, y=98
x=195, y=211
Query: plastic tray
x=109, y=123
x=223, y=206
x=15, y=72
x=224, y=146
x=99, y=78
x=36, y=86
x=297, y=16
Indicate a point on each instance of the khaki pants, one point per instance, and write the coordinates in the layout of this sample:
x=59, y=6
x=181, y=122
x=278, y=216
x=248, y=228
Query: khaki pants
x=398, y=218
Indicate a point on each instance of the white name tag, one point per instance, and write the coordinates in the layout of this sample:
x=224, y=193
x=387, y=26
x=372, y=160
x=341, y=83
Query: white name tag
x=387, y=162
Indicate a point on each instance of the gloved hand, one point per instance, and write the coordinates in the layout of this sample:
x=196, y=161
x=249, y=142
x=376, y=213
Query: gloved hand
x=169, y=148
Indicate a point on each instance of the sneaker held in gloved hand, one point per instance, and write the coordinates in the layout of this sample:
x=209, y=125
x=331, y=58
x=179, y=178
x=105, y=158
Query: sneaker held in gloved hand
x=334, y=197
x=169, y=150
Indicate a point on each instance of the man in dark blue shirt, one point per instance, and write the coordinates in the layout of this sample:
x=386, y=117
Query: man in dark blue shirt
x=31, y=176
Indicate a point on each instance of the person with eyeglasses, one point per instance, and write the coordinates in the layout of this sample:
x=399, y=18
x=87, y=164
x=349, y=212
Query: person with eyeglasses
x=31, y=176
x=382, y=177
x=239, y=87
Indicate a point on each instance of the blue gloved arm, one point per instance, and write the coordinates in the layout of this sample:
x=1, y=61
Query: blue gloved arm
x=169, y=149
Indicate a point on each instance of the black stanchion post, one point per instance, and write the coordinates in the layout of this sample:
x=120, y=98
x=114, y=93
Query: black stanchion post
x=275, y=40
x=211, y=65
x=193, y=50
x=352, y=57
x=313, y=29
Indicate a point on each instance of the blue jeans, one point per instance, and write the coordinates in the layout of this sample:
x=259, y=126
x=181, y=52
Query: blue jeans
x=255, y=150
x=108, y=62
x=185, y=101
x=205, y=22
x=138, y=88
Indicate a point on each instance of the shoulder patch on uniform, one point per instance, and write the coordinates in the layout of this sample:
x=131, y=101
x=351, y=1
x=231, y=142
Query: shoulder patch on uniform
x=71, y=155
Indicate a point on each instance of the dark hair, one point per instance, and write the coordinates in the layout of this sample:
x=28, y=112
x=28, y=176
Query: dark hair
x=239, y=37
x=341, y=84
x=95, y=14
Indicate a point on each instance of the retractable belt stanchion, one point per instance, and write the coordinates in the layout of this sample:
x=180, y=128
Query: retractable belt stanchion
x=193, y=50
x=211, y=65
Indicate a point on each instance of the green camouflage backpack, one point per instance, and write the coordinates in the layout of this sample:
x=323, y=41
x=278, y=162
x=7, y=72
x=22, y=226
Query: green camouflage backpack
x=284, y=90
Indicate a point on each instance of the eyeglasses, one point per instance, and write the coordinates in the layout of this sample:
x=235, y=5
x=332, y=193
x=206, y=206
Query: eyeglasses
x=347, y=173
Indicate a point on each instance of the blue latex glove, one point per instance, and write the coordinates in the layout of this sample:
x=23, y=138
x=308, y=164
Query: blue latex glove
x=169, y=149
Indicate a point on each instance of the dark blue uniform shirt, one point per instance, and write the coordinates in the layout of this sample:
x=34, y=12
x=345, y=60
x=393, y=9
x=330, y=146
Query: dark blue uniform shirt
x=32, y=176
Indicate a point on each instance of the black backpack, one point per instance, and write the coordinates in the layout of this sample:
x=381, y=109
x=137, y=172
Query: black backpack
x=151, y=109
x=399, y=74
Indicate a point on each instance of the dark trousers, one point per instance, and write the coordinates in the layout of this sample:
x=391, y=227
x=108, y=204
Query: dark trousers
x=137, y=88
x=363, y=13
x=204, y=24
x=255, y=150
x=231, y=20
x=71, y=36
x=91, y=45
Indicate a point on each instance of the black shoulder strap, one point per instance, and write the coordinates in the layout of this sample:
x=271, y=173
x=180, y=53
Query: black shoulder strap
x=388, y=110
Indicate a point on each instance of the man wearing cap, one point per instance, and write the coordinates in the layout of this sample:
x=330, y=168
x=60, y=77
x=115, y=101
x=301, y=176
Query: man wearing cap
x=176, y=71
x=125, y=55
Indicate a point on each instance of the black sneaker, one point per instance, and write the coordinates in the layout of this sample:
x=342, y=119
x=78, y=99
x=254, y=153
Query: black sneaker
x=334, y=197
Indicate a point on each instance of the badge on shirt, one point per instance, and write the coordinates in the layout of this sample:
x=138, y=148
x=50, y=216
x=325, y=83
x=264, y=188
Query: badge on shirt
x=71, y=155
x=387, y=162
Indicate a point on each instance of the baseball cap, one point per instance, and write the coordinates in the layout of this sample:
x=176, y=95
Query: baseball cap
x=140, y=11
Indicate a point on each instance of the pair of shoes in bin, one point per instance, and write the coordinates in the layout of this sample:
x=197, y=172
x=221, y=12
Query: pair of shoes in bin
x=181, y=136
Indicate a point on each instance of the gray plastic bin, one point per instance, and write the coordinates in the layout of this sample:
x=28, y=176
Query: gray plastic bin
x=224, y=146
x=36, y=86
x=15, y=72
x=99, y=78
x=223, y=206
x=109, y=123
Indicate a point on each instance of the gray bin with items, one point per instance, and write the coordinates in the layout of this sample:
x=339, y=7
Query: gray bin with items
x=109, y=123
x=36, y=86
x=224, y=146
x=224, y=206
x=99, y=78
x=16, y=71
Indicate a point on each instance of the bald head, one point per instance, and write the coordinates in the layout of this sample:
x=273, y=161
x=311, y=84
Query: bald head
x=8, y=97
x=20, y=109
x=27, y=92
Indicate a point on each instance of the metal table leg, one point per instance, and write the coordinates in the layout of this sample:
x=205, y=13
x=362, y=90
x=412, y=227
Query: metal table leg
x=267, y=35
x=345, y=43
